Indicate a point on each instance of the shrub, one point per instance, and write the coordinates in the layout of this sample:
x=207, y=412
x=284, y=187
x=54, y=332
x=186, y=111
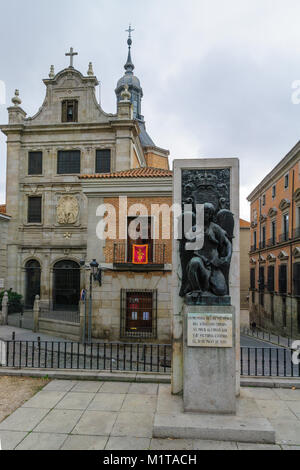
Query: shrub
x=15, y=304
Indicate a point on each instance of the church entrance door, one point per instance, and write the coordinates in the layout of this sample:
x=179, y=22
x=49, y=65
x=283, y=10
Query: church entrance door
x=66, y=285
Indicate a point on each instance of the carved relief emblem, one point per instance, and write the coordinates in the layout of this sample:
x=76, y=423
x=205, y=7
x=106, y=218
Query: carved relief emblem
x=67, y=210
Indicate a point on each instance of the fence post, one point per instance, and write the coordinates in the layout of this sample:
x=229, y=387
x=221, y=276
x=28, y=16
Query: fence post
x=3, y=316
x=3, y=353
x=36, y=313
x=82, y=314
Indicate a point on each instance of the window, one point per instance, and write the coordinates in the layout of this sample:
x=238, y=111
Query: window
x=35, y=163
x=296, y=279
x=298, y=315
x=254, y=240
x=103, y=161
x=255, y=216
x=70, y=111
x=274, y=191
x=286, y=181
x=285, y=227
x=273, y=232
x=68, y=162
x=145, y=230
x=138, y=313
x=261, y=278
x=283, y=279
x=263, y=242
x=264, y=200
x=34, y=210
x=271, y=278
x=252, y=278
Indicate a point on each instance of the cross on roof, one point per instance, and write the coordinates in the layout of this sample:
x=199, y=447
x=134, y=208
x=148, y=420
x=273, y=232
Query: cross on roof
x=130, y=30
x=71, y=54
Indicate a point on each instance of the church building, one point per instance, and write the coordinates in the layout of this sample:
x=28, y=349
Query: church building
x=62, y=164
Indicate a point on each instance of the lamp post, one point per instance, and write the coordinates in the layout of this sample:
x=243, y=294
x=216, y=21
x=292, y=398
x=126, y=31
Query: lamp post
x=96, y=275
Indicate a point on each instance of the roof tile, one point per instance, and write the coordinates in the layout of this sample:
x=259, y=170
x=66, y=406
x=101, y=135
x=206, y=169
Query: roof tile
x=147, y=172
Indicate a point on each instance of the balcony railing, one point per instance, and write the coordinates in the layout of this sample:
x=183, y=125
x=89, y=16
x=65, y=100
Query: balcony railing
x=296, y=233
x=272, y=241
x=283, y=237
x=262, y=245
x=123, y=256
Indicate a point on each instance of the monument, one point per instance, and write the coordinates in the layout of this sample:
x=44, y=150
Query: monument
x=209, y=315
x=206, y=309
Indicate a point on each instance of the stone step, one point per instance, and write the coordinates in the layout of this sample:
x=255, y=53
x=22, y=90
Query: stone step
x=213, y=427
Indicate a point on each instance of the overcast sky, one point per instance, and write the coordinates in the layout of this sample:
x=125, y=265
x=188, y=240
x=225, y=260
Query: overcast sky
x=217, y=75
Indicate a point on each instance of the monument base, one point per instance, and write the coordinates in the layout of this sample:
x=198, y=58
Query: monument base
x=247, y=426
x=209, y=359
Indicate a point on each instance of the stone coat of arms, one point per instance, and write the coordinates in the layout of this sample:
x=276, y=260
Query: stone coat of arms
x=67, y=210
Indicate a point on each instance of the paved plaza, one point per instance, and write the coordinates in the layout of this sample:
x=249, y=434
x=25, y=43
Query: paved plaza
x=91, y=415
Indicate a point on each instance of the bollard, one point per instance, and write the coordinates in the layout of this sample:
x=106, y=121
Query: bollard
x=36, y=313
x=3, y=316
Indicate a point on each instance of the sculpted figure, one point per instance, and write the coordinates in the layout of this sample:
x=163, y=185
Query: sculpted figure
x=205, y=271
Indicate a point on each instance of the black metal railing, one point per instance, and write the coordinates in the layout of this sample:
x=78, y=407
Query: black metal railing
x=271, y=241
x=96, y=356
x=268, y=336
x=296, y=232
x=268, y=362
x=123, y=254
x=283, y=237
x=129, y=357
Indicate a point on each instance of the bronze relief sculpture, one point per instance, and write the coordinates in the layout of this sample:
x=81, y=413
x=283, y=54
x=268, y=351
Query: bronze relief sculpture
x=205, y=271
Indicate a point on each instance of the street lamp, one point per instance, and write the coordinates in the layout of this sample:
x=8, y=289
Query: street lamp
x=96, y=275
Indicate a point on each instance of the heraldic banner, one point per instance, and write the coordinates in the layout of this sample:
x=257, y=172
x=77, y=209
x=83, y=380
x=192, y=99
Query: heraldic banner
x=140, y=254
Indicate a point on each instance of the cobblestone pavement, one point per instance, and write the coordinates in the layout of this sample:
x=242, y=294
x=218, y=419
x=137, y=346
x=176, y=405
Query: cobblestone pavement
x=95, y=415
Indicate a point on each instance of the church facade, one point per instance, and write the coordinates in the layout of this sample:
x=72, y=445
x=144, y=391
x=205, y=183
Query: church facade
x=64, y=162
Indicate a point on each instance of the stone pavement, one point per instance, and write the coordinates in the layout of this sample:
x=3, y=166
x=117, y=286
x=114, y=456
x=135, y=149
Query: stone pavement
x=98, y=415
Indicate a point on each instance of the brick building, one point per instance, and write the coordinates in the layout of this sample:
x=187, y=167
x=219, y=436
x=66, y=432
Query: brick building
x=275, y=248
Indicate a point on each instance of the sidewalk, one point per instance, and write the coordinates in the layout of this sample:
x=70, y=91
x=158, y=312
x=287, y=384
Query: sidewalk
x=25, y=335
x=119, y=416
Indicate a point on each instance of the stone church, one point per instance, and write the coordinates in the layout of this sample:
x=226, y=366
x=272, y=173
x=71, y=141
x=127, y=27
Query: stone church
x=62, y=163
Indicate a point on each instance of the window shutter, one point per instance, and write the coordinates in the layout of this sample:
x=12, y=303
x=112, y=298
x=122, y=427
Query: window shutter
x=296, y=278
x=261, y=278
x=283, y=278
x=271, y=279
x=252, y=278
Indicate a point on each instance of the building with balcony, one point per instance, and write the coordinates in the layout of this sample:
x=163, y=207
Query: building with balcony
x=275, y=248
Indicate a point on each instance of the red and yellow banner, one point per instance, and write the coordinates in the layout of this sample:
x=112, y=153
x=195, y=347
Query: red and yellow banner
x=140, y=254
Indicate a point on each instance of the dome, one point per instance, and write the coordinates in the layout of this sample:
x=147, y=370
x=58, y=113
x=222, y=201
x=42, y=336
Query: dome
x=130, y=80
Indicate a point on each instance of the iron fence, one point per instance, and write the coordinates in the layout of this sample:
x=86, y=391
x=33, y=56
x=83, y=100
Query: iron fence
x=130, y=357
x=268, y=362
x=267, y=336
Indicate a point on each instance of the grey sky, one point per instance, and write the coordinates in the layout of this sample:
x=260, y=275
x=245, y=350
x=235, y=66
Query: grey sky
x=216, y=75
